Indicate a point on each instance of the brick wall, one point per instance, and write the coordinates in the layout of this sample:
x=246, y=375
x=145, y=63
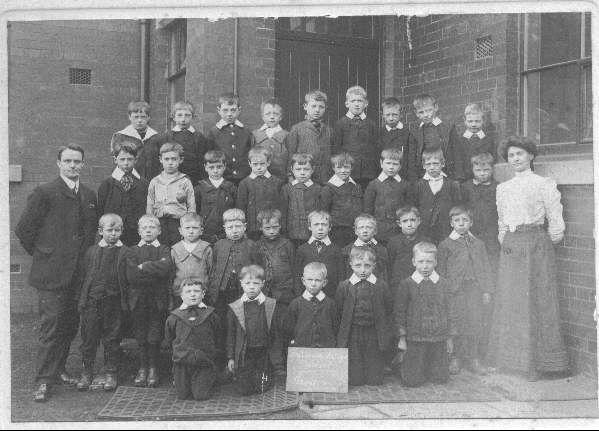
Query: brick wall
x=576, y=277
x=210, y=66
x=45, y=111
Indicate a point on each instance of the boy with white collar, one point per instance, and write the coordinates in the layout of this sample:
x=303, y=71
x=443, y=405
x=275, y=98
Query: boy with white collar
x=395, y=134
x=258, y=191
x=254, y=335
x=366, y=227
x=387, y=193
x=146, y=139
x=424, y=321
x=193, y=141
x=472, y=142
x=341, y=197
x=432, y=134
x=357, y=135
x=101, y=299
x=463, y=261
x=365, y=327
x=125, y=192
x=214, y=195
x=312, y=319
x=273, y=137
x=149, y=271
x=192, y=330
x=231, y=137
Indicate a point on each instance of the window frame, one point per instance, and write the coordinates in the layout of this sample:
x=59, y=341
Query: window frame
x=584, y=64
x=176, y=69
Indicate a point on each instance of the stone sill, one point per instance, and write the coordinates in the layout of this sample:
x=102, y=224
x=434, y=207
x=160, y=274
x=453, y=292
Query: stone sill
x=564, y=169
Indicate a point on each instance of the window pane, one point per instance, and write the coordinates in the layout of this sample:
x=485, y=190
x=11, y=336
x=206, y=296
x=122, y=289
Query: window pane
x=344, y=26
x=553, y=98
x=552, y=38
x=587, y=35
x=587, y=116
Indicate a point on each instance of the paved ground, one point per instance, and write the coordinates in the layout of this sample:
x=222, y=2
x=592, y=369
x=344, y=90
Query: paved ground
x=564, y=399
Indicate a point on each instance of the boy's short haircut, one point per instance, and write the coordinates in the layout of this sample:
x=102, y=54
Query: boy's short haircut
x=148, y=218
x=272, y=102
x=319, y=214
x=392, y=153
x=259, y=151
x=182, y=105
x=228, y=99
x=389, y=102
x=460, y=210
x=473, y=109
x=318, y=267
x=233, y=214
x=194, y=281
x=110, y=219
x=342, y=159
x=73, y=147
x=191, y=216
x=361, y=253
x=301, y=159
x=423, y=100
x=138, y=106
x=254, y=271
x=424, y=247
x=126, y=146
x=268, y=215
x=402, y=211
x=357, y=90
x=171, y=146
x=215, y=156
x=482, y=159
x=317, y=95
x=364, y=217
x=436, y=154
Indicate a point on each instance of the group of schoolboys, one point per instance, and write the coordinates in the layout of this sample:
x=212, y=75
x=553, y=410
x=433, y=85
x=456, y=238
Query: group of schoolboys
x=263, y=248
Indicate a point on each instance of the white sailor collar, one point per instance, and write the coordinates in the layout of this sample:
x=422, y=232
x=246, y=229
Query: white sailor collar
x=260, y=298
x=436, y=121
x=455, y=236
x=104, y=244
x=326, y=241
x=155, y=243
x=266, y=174
x=216, y=183
x=398, y=127
x=118, y=173
x=383, y=176
x=185, y=306
x=427, y=177
x=351, y=116
x=308, y=183
x=132, y=131
x=354, y=279
x=468, y=134
x=417, y=277
x=338, y=182
x=222, y=123
x=308, y=297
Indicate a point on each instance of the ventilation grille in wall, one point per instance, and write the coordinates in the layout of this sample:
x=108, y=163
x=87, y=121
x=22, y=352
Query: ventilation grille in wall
x=80, y=76
x=15, y=268
x=484, y=47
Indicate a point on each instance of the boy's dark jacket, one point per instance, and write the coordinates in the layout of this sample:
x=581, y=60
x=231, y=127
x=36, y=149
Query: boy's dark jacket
x=179, y=329
x=381, y=309
x=91, y=261
x=153, y=279
x=221, y=251
x=236, y=333
x=48, y=231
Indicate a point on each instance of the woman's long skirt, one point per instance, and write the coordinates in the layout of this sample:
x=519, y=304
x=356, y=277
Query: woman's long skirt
x=525, y=334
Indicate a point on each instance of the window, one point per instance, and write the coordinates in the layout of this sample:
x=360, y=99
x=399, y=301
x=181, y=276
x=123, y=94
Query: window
x=362, y=27
x=176, y=63
x=556, y=80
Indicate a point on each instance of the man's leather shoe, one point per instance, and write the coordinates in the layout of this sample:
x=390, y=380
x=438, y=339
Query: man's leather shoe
x=141, y=378
x=84, y=382
x=66, y=379
x=110, y=383
x=42, y=393
x=152, y=377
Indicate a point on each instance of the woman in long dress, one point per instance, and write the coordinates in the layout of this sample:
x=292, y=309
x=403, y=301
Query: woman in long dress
x=525, y=335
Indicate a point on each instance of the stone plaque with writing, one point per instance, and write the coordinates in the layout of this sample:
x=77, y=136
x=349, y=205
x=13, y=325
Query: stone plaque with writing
x=317, y=370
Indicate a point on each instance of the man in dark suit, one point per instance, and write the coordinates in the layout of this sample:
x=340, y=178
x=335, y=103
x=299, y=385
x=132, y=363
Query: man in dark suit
x=57, y=226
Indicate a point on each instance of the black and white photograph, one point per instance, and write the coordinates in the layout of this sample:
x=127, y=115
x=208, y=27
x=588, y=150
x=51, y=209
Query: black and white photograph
x=319, y=215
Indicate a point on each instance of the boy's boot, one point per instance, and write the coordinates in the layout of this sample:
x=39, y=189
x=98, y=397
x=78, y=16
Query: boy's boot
x=86, y=376
x=141, y=378
x=111, y=381
x=153, y=352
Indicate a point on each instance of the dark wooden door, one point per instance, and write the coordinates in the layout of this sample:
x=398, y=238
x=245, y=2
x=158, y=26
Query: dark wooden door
x=307, y=62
